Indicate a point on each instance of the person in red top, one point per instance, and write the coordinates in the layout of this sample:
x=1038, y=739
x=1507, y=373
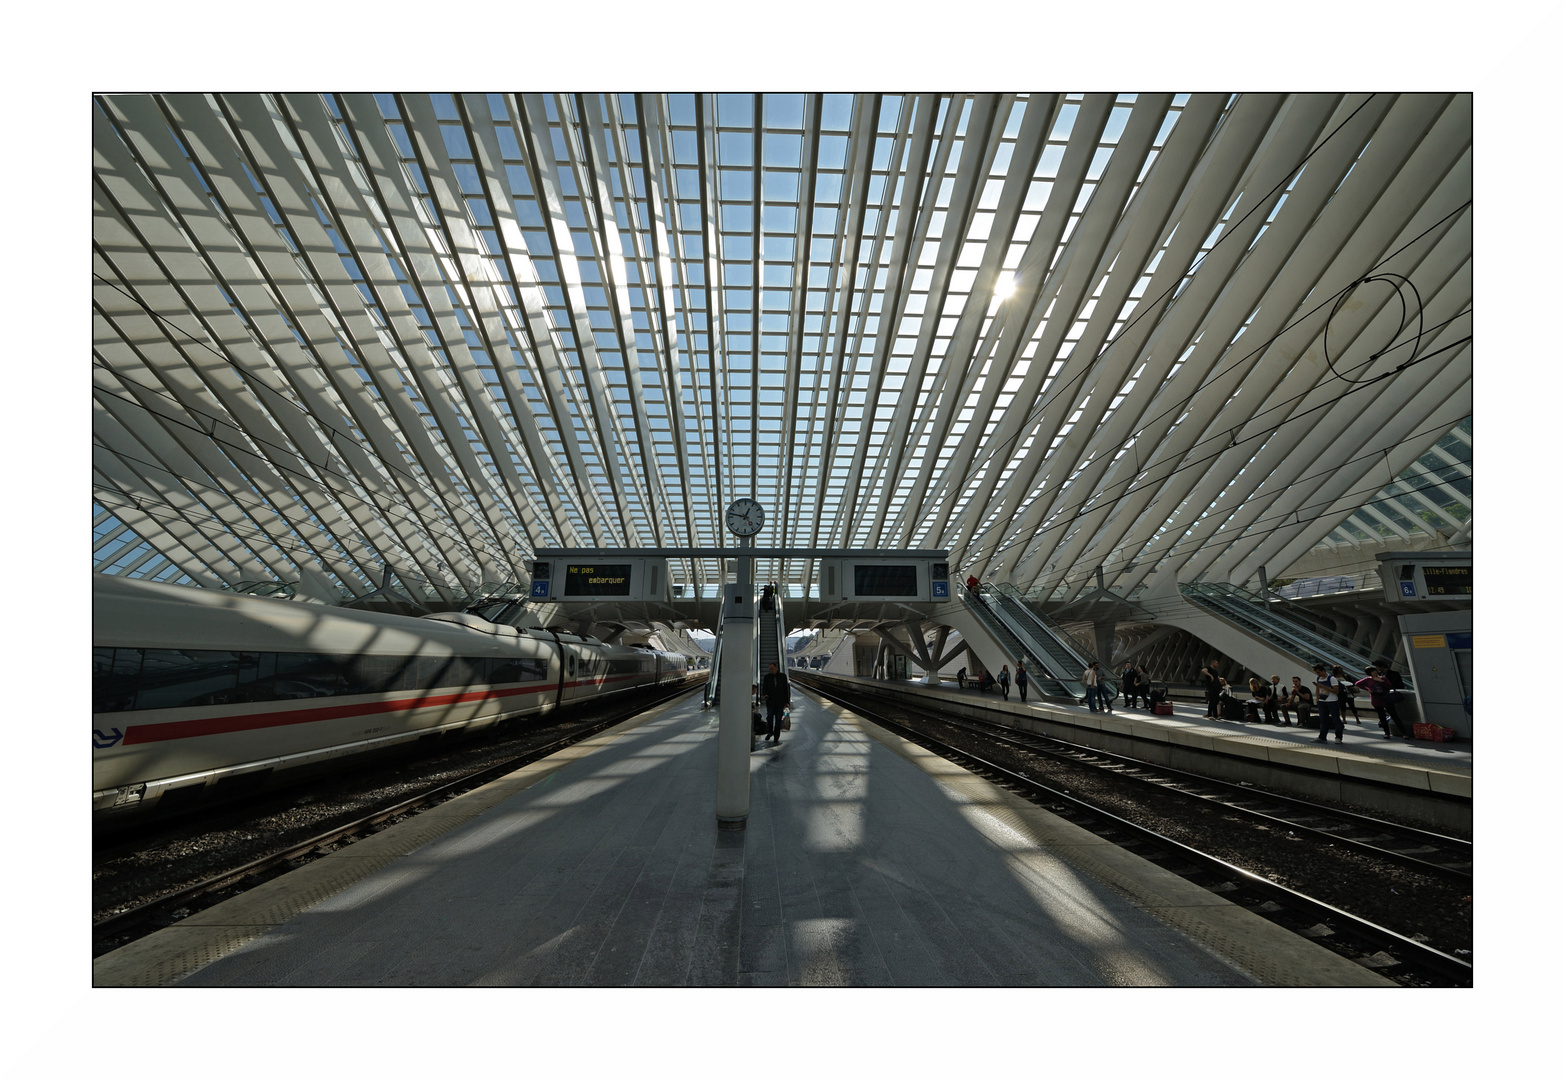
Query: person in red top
x=972, y=583
x=1379, y=688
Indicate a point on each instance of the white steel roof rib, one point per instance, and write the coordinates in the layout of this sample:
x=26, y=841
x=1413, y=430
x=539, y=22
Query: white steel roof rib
x=1054, y=333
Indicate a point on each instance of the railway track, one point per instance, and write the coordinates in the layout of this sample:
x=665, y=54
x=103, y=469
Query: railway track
x=1433, y=852
x=123, y=927
x=1396, y=956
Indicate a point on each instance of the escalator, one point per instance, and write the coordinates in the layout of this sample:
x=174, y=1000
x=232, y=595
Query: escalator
x=1288, y=631
x=1045, y=674
x=768, y=646
x=1064, y=658
x=770, y=635
x=709, y=695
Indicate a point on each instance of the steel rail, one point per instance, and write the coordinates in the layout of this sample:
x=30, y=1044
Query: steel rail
x=1167, y=778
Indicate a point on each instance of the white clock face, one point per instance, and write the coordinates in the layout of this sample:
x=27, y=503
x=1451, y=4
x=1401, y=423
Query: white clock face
x=745, y=517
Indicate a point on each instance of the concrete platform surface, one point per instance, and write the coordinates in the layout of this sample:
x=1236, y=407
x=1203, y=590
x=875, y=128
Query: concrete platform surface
x=866, y=861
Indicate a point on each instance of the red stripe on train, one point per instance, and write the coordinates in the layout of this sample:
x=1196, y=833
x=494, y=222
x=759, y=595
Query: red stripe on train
x=219, y=725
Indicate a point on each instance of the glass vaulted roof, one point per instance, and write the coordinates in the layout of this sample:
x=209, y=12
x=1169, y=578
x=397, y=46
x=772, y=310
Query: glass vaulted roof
x=1052, y=332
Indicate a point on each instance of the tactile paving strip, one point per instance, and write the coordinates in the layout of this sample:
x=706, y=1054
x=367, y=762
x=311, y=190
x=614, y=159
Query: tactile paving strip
x=1265, y=951
x=171, y=954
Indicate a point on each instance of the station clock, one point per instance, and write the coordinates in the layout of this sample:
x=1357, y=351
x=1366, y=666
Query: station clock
x=745, y=517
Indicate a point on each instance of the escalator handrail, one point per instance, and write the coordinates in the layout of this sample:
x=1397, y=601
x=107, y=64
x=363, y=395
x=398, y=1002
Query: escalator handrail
x=1307, y=647
x=1055, y=634
x=991, y=616
x=1036, y=650
x=1341, y=649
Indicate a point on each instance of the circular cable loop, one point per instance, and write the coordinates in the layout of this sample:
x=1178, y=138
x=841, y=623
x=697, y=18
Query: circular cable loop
x=1418, y=300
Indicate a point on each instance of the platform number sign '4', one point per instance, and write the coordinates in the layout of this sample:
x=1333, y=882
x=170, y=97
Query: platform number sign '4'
x=541, y=590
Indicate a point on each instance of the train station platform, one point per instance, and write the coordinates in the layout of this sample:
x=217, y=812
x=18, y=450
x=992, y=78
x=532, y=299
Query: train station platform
x=866, y=861
x=1365, y=769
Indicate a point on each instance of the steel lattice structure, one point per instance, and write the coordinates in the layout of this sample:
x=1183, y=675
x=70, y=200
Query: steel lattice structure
x=1051, y=332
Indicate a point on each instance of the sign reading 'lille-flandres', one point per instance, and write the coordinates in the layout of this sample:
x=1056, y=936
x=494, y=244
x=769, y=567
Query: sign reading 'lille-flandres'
x=599, y=579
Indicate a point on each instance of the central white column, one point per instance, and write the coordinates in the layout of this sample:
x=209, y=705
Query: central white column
x=734, y=698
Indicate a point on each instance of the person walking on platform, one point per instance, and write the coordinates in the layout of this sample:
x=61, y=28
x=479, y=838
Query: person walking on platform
x=1127, y=684
x=1005, y=681
x=1301, y=699
x=1093, y=682
x=1326, y=690
x=1212, y=682
x=961, y=677
x=1021, y=680
x=775, y=692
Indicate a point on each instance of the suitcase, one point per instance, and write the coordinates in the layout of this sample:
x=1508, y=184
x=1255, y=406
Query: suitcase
x=1162, y=708
x=1232, y=710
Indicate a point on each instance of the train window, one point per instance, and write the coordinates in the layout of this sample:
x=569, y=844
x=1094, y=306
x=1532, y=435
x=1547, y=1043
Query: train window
x=172, y=678
x=431, y=672
x=463, y=672
x=510, y=669
x=257, y=672
x=371, y=674
x=114, y=675
x=306, y=675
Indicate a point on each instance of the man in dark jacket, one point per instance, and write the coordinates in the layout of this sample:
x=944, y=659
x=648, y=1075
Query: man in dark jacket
x=776, y=694
x=1212, y=685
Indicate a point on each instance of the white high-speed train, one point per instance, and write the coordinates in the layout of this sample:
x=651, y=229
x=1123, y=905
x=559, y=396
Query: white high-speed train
x=198, y=692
